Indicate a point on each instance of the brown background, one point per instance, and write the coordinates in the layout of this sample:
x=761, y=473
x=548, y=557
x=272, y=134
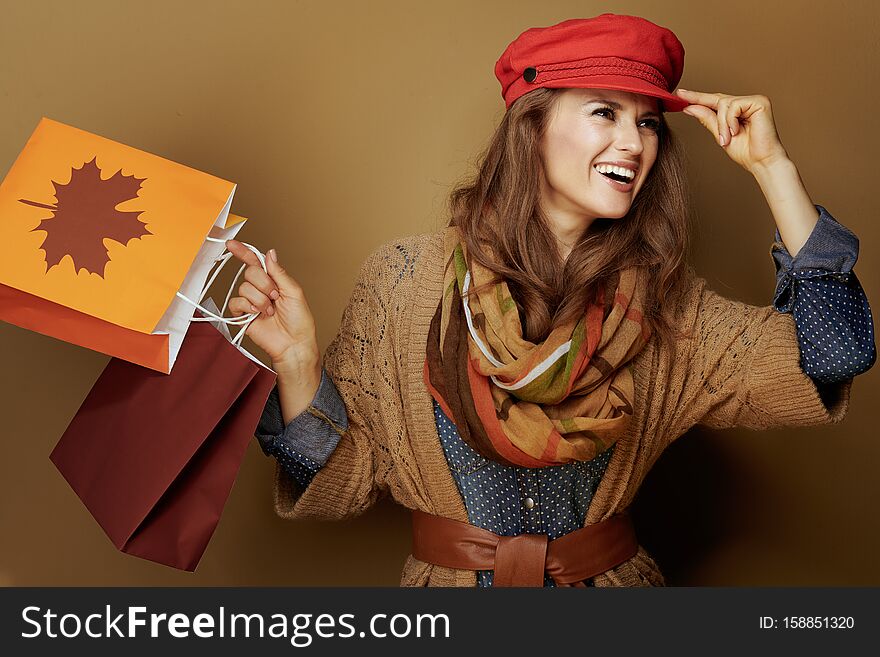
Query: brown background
x=345, y=125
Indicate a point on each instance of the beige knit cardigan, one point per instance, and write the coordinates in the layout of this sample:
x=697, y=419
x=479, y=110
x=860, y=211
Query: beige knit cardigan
x=740, y=369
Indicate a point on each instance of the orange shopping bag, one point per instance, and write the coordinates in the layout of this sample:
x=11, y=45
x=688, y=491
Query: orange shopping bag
x=102, y=241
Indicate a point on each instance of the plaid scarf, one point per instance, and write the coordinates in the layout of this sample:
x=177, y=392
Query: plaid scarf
x=568, y=398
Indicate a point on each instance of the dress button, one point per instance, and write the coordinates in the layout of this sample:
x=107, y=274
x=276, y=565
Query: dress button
x=529, y=502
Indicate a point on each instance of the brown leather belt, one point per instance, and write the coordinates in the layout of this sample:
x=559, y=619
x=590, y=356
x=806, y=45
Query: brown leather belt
x=522, y=560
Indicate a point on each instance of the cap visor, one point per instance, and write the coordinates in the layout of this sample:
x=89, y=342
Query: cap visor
x=671, y=102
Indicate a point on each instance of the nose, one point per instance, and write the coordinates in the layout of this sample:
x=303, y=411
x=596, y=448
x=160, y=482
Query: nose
x=628, y=138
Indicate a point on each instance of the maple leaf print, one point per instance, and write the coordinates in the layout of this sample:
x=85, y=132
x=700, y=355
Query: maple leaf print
x=85, y=214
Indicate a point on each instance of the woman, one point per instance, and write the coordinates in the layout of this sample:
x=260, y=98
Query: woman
x=513, y=377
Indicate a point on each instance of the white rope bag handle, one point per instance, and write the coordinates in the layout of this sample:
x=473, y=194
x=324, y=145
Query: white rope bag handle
x=244, y=320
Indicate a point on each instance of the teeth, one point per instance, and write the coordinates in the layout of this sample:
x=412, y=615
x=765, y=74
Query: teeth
x=620, y=171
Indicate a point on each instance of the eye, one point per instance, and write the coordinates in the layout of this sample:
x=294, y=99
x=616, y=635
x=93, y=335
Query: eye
x=652, y=124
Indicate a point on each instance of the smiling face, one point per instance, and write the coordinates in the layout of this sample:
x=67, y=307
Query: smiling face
x=589, y=127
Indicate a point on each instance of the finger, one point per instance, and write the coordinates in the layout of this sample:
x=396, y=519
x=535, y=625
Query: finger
x=749, y=105
x=744, y=107
x=243, y=253
x=701, y=97
x=732, y=118
x=721, y=119
x=262, y=281
x=259, y=301
x=239, y=306
x=705, y=116
x=734, y=123
x=285, y=282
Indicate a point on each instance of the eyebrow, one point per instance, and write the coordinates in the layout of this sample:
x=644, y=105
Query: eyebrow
x=616, y=105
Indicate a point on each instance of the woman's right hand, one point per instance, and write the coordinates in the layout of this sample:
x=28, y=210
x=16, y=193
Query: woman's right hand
x=285, y=329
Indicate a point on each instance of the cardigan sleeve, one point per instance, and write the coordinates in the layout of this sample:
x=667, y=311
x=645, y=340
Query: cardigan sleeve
x=346, y=485
x=740, y=367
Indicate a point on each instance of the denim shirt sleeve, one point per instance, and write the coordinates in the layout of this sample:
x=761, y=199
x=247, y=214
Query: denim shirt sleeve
x=830, y=309
x=830, y=248
x=303, y=446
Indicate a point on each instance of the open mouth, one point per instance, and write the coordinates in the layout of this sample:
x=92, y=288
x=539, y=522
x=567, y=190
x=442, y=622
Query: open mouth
x=616, y=177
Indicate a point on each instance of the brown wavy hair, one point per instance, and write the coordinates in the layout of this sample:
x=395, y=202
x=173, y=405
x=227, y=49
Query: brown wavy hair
x=500, y=206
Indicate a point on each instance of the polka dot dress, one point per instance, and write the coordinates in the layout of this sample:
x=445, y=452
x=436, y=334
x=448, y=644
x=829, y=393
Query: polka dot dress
x=512, y=500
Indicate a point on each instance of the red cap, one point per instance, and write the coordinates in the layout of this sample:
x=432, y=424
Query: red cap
x=609, y=51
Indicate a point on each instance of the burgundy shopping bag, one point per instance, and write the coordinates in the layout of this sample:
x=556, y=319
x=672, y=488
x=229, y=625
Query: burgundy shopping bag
x=153, y=456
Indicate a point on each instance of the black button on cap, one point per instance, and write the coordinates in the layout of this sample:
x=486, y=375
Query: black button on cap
x=530, y=74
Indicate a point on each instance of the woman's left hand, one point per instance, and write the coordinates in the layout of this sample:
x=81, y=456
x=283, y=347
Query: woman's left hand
x=742, y=125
